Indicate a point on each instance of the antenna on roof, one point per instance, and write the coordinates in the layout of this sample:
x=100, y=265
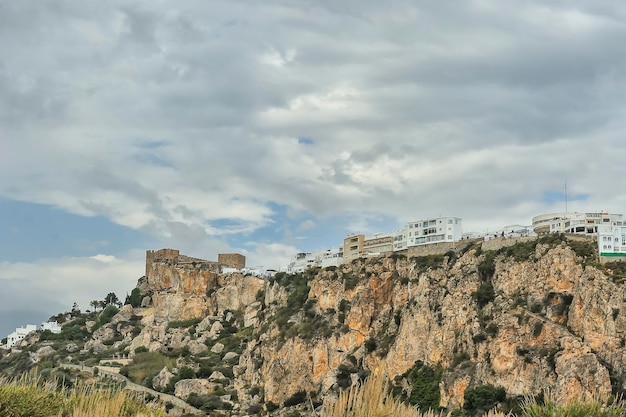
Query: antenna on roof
x=565, y=195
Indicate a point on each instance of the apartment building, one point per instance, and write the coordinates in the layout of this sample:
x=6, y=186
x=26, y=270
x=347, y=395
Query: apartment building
x=612, y=240
x=428, y=231
x=576, y=223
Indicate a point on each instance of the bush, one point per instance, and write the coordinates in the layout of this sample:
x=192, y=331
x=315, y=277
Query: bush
x=424, y=383
x=485, y=294
x=183, y=323
x=186, y=373
x=134, y=299
x=482, y=398
x=105, y=316
x=487, y=267
x=297, y=398
x=370, y=345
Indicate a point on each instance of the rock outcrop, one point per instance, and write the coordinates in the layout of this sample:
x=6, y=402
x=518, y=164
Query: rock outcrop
x=539, y=315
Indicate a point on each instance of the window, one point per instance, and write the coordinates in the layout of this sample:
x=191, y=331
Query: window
x=449, y=237
x=450, y=221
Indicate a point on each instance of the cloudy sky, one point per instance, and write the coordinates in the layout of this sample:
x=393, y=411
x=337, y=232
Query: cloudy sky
x=275, y=126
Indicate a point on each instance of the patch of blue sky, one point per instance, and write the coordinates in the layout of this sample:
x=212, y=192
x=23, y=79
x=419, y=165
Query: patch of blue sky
x=309, y=233
x=550, y=197
x=305, y=141
x=33, y=231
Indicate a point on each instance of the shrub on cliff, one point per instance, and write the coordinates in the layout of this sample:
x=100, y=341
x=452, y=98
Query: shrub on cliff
x=482, y=398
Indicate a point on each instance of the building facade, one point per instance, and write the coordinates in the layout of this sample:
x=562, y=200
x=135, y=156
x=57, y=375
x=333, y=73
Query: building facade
x=428, y=231
x=19, y=334
x=576, y=223
x=612, y=241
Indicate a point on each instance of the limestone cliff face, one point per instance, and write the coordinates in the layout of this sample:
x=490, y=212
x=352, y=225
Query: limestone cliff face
x=530, y=317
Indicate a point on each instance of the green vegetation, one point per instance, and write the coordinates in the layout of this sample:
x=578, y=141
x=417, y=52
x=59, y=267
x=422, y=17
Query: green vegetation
x=146, y=365
x=134, y=299
x=484, y=294
x=183, y=323
x=424, y=382
x=105, y=316
x=208, y=402
x=549, y=408
x=482, y=398
x=424, y=263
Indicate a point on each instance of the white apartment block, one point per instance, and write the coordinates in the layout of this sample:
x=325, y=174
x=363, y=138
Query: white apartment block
x=323, y=258
x=612, y=241
x=576, y=223
x=428, y=231
x=19, y=334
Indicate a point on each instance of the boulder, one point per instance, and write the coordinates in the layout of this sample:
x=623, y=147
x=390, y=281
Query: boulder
x=146, y=301
x=229, y=356
x=217, y=348
x=42, y=353
x=96, y=346
x=185, y=387
x=125, y=314
x=162, y=379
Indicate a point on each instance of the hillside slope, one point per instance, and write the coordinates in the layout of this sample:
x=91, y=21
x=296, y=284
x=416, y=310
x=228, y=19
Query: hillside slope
x=540, y=314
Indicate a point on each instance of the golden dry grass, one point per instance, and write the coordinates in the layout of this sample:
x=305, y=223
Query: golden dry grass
x=371, y=399
x=30, y=397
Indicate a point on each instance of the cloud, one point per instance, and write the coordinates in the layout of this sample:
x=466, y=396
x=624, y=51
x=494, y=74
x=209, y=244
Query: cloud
x=197, y=121
x=50, y=286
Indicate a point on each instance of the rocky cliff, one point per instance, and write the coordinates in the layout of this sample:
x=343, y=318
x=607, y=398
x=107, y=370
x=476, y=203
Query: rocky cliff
x=539, y=315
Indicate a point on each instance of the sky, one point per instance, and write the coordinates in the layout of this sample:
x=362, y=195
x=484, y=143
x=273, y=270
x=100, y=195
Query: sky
x=272, y=127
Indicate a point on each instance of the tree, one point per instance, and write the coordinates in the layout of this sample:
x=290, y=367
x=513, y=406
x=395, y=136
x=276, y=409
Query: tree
x=111, y=299
x=75, y=310
x=134, y=298
x=95, y=304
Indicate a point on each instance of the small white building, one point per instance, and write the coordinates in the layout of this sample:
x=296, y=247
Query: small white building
x=322, y=258
x=428, y=231
x=612, y=241
x=510, y=232
x=19, y=334
x=332, y=257
x=53, y=326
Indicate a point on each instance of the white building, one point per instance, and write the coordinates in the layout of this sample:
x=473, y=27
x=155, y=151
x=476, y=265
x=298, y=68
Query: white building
x=332, y=257
x=53, y=326
x=577, y=223
x=428, y=231
x=322, y=258
x=612, y=240
x=512, y=231
x=19, y=334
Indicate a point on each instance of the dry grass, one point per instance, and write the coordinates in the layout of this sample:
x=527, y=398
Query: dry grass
x=371, y=399
x=33, y=398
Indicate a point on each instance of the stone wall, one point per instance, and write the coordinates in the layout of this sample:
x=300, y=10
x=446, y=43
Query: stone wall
x=232, y=260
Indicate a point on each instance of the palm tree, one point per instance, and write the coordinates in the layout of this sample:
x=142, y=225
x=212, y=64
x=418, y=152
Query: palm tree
x=95, y=304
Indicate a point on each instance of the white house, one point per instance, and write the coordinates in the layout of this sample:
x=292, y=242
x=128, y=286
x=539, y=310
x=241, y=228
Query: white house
x=428, y=231
x=512, y=231
x=612, y=241
x=53, y=326
x=19, y=334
